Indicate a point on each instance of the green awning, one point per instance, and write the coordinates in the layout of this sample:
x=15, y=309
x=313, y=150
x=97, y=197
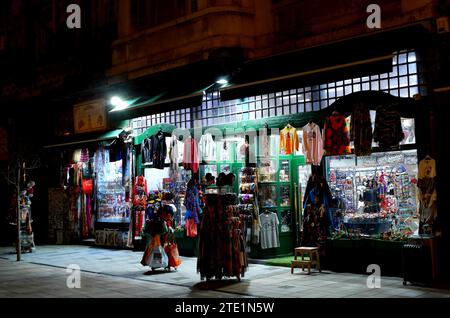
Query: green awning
x=165, y=128
x=84, y=139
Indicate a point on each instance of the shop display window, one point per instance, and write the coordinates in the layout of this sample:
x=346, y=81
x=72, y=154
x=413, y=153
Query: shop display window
x=274, y=145
x=179, y=188
x=375, y=195
x=284, y=171
x=286, y=221
x=212, y=169
x=267, y=196
x=240, y=150
x=111, y=194
x=285, y=195
x=268, y=172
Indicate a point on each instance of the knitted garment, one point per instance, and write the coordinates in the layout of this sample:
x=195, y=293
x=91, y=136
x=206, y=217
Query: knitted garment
x=361, y=130
x=336, y=136
x=388, y=128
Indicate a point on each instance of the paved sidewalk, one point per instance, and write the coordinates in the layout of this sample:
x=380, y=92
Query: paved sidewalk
x=118, y=273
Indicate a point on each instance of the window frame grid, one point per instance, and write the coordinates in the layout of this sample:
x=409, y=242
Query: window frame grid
x=213, y=111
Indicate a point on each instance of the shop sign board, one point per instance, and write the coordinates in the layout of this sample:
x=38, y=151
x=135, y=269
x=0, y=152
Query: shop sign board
x=90, y=116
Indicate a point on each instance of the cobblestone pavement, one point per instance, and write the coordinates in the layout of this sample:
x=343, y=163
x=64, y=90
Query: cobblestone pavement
x=109, y=273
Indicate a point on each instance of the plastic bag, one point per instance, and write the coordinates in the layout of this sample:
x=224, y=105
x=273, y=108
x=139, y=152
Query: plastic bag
x=158, y=258
x=173, y=255
x=154, y=255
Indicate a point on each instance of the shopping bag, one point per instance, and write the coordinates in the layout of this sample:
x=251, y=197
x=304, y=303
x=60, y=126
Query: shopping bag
x=158, y=258
x=173, y=255
x=155, y=241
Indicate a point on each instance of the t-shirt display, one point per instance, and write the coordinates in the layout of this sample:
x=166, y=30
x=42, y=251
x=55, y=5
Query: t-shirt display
x=207, y=147
x=312, y=144
x=289, y=141
x=190, y=159
x=269, y=230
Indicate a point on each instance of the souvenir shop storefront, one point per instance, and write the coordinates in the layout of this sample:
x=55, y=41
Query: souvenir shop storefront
x=334, y=178
x=344, y=166
x=354, y=177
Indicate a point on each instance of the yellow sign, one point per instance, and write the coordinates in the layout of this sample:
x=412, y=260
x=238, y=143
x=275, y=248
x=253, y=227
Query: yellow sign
x=90, y=116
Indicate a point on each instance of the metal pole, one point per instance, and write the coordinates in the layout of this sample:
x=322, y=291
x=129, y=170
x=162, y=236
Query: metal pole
x=18, y=244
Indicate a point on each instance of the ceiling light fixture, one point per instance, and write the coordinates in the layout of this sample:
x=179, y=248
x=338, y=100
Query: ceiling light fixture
x=222, y=81
x=118, y=103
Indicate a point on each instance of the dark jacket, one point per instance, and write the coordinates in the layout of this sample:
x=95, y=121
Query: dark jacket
x=158, y=150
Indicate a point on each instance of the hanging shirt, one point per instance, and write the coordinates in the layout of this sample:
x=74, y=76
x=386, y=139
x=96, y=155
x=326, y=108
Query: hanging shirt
x=388, y=128
x=146, y=151
x=361, y=130
x=207, y=147
x=269, y=230
x=158, y=150
x=336, y=135
x=190, y=158
x=192, y=203
x=289, y=140
x=312, y=144
x=173, y=153
x=427, y=190
x=264, y=146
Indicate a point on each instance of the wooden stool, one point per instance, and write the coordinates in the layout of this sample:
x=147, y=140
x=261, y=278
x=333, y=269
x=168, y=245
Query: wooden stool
x=310, y=252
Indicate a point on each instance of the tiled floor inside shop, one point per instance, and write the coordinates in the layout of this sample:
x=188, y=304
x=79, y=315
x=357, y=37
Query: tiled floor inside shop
x=118, y=274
